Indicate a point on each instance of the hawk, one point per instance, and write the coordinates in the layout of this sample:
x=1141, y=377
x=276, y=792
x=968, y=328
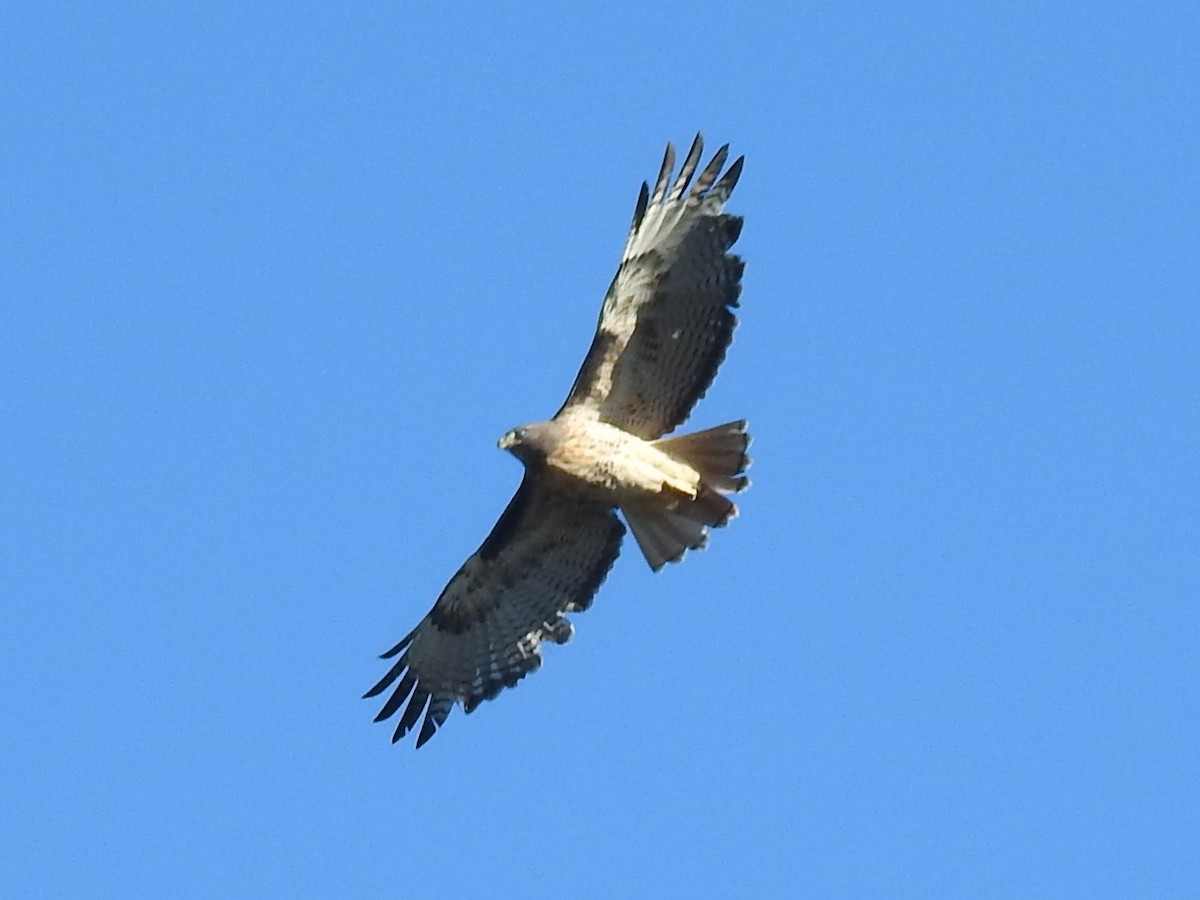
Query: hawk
x=664, y=328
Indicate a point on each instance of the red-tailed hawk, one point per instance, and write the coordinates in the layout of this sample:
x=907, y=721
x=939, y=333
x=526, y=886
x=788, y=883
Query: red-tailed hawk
x=663, y=331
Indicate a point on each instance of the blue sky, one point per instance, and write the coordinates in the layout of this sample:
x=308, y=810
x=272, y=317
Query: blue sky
x=273, y=282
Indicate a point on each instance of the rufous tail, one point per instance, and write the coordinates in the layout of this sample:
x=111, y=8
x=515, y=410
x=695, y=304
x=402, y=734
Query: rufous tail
x=719, y=455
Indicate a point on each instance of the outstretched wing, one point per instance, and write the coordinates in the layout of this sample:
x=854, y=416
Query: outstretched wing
x=546, y=556
x=666, y=320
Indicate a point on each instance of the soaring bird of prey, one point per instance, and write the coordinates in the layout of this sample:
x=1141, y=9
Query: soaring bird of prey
x=664, y=328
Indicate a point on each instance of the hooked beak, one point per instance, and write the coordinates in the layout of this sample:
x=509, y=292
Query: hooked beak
x=508, y=441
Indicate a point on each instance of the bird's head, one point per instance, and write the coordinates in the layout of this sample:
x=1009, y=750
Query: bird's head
x=511, y=440
x=529, y=443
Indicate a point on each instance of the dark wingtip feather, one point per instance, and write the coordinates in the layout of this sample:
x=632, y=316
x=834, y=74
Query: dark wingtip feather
x=723, y=188
x=664, y=174
x=392, y=674
x=709, y=175
x=399, y=695
x=404, y=642
x=439, y=708
x=689, y=167
x=413, y=711
x=639, y=211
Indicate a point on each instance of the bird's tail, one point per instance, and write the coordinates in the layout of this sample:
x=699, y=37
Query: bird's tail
x=719, y=455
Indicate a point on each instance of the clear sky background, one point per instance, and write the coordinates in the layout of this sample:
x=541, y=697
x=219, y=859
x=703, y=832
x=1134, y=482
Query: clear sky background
x=272, y=283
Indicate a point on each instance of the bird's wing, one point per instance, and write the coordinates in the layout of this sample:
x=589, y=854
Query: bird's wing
x=546, y=556
x=667, y=319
